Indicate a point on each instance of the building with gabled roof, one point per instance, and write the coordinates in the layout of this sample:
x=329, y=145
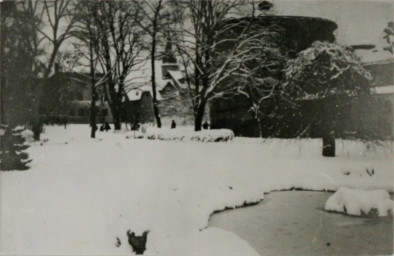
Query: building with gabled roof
x=67, y=96
x=171, y=90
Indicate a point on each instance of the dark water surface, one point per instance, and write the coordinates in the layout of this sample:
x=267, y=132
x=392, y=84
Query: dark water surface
x=294, y=223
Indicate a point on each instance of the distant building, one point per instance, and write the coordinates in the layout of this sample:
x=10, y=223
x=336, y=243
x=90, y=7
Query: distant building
x=298, y=34
x=171, y=90
x=68, y=95
x=364, y=118
x=373, y=119
x=383, y=82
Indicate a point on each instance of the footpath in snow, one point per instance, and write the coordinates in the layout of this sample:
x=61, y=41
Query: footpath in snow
x=81, y=195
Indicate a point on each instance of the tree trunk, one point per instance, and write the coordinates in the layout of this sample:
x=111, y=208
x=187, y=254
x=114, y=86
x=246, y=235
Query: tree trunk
x=117, y=121
x=93, y=110
x=93, y=130
x=116, y=112
x=36, y=127
x=36, y=124
x=2, y=86
x=329, y=144
x=153, y=77
x=260, y=127
x=154, y=98
x=157, y=115
x=199, y=116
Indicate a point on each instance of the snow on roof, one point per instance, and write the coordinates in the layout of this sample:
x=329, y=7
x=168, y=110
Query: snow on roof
x=384, y=89
x=136, y=93
x=379, y=62
x=177, y=76
x=143, y=73
x=375, y=55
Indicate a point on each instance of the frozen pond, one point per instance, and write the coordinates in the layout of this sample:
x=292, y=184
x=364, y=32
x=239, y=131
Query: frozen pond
x=294, y=223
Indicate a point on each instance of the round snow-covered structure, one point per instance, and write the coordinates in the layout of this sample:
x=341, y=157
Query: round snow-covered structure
x=297, y=34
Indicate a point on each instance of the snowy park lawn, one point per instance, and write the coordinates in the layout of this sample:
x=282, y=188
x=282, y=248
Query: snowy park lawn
x=81, y=194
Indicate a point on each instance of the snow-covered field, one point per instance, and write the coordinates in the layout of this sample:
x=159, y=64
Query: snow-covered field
x=80, y=194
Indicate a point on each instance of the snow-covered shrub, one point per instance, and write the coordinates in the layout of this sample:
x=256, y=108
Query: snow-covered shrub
x=213, y=135
x=360, y=202
x=134, y=134
x=154, y=133
x=28, y=135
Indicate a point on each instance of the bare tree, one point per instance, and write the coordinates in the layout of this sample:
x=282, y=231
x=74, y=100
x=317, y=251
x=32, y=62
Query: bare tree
x=259, y=69
x=151, y=25
x=201, y=41
x=86, y=48
x=118, y=49
x=58, y=15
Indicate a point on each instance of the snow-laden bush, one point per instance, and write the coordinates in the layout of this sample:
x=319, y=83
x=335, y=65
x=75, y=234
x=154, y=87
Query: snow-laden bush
x=154, y=133
x=134, y=134
x=360, y=202
x=28, y=135
x=212, y=135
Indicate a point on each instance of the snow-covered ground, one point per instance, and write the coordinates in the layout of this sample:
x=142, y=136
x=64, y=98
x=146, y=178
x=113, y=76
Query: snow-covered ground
x=80, y=194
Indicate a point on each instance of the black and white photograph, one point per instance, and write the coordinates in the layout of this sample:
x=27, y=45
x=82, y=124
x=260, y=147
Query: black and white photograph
x=196, y=127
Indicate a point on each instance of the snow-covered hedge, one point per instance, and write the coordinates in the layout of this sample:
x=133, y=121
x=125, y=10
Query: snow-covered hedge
x=360, y=202
x=154, y=133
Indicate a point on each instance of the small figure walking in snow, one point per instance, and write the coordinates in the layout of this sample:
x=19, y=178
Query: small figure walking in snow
x=65, y=121
x=107, y=127
x=173, y=124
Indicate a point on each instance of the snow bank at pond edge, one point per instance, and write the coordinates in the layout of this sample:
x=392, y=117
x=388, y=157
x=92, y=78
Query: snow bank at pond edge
x=360, y=202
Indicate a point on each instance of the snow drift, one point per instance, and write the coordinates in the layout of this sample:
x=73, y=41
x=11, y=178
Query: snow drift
x=360, y=202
